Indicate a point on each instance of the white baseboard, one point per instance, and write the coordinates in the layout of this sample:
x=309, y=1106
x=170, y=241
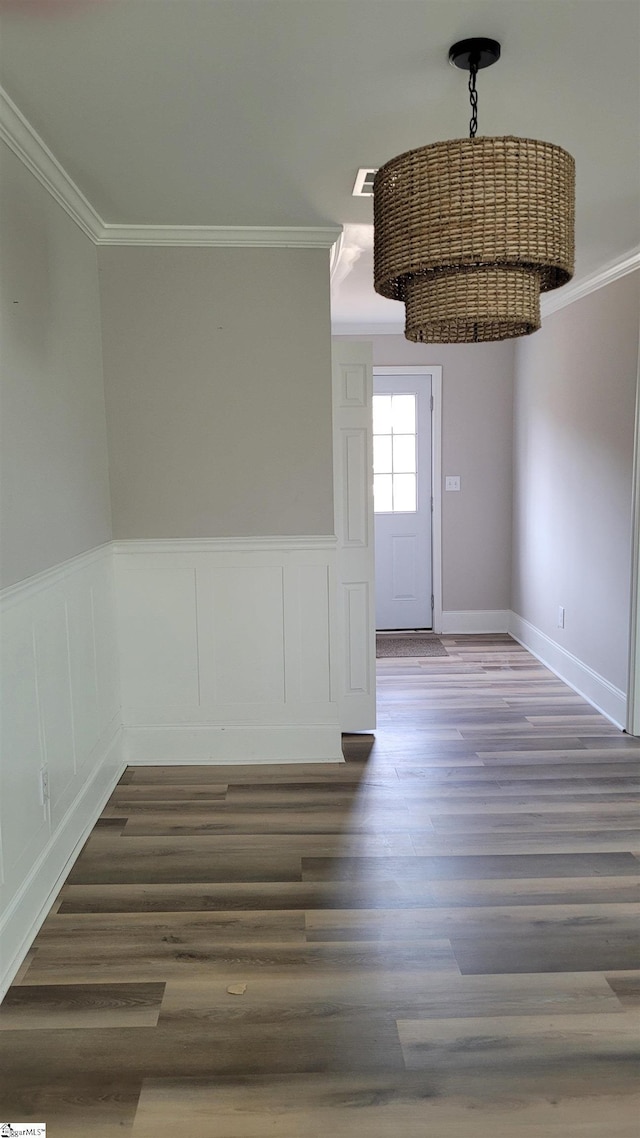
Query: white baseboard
x=474, y=620
x=31, y=904
x=177, y=746
x=599, y=692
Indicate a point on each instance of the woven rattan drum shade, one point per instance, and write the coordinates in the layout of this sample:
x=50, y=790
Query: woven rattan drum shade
x=469, y=232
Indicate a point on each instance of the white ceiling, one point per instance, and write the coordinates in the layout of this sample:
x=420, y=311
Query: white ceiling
x=259, y=112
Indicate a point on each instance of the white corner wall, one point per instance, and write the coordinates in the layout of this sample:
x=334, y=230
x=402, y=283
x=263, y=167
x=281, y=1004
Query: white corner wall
x=227, y=653
x=60, y=702
x=60, y=716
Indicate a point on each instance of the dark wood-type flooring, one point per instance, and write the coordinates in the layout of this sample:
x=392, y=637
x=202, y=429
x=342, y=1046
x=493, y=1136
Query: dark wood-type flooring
x=438, y=938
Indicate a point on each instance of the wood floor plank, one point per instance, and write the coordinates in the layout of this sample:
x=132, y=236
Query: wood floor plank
x=525, y=1045
x=430, y=994
x=411, y=1103
x=74, y=1107
x=233, y=961
x=187, y=896
x=261, y=825
x=618, y=817
x=80, y=1005
x=172, y=792
x=502, y=924
x=530, y=842
x=100, y=930
x=582, y=950
x=206, y=1048
x=469, y=866
x=150, y=860
x=448, y=810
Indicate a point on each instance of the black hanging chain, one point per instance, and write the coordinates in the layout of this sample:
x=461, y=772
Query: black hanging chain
x=473, y=98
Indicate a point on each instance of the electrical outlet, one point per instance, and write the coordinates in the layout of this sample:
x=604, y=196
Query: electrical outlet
x=44, y=786
x=560, y=616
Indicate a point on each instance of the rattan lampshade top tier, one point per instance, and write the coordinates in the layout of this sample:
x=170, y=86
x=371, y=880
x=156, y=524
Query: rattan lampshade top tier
x=463, y=207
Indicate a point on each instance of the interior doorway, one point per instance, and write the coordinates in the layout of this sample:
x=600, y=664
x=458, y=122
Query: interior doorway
x=354, y=622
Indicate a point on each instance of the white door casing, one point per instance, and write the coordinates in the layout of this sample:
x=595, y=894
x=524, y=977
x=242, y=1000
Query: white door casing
x=353, y=498
x=403, y=527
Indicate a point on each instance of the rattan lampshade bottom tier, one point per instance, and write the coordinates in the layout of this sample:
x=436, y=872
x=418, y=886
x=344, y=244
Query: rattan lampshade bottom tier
x=473, y=305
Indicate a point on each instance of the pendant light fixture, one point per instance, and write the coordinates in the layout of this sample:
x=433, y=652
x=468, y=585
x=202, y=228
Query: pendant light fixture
x=469, y=232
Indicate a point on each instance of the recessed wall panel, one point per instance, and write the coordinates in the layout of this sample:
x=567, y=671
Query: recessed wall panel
x=353, y=385
x=54, y=697
x=105, y=637
x=159, y=637
x=82, y=666
x=22, y=816
x=356, y=489
x=357, y=637
x=307, y=648
x=248, y=640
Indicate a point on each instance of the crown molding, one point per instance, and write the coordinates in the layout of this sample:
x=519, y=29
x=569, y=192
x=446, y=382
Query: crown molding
x=221, y=236
x=27, y=145
x=554, y=301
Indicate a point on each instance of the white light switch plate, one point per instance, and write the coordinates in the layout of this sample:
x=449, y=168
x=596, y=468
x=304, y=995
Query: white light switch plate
x=452, y=482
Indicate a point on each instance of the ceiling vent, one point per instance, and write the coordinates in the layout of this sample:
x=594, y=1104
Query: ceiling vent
x=363, y=187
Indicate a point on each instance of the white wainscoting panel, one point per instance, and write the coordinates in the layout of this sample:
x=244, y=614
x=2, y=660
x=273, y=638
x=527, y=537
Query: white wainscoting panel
x=60, y=716
x=227, y=650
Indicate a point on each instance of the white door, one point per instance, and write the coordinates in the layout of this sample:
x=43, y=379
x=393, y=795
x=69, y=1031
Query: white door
x=353, y=498
x=402, y=496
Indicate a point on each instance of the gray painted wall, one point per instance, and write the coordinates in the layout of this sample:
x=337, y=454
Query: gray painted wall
x=573, y=445
x=54, y=481
x=217, y=368
x=477, y=413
